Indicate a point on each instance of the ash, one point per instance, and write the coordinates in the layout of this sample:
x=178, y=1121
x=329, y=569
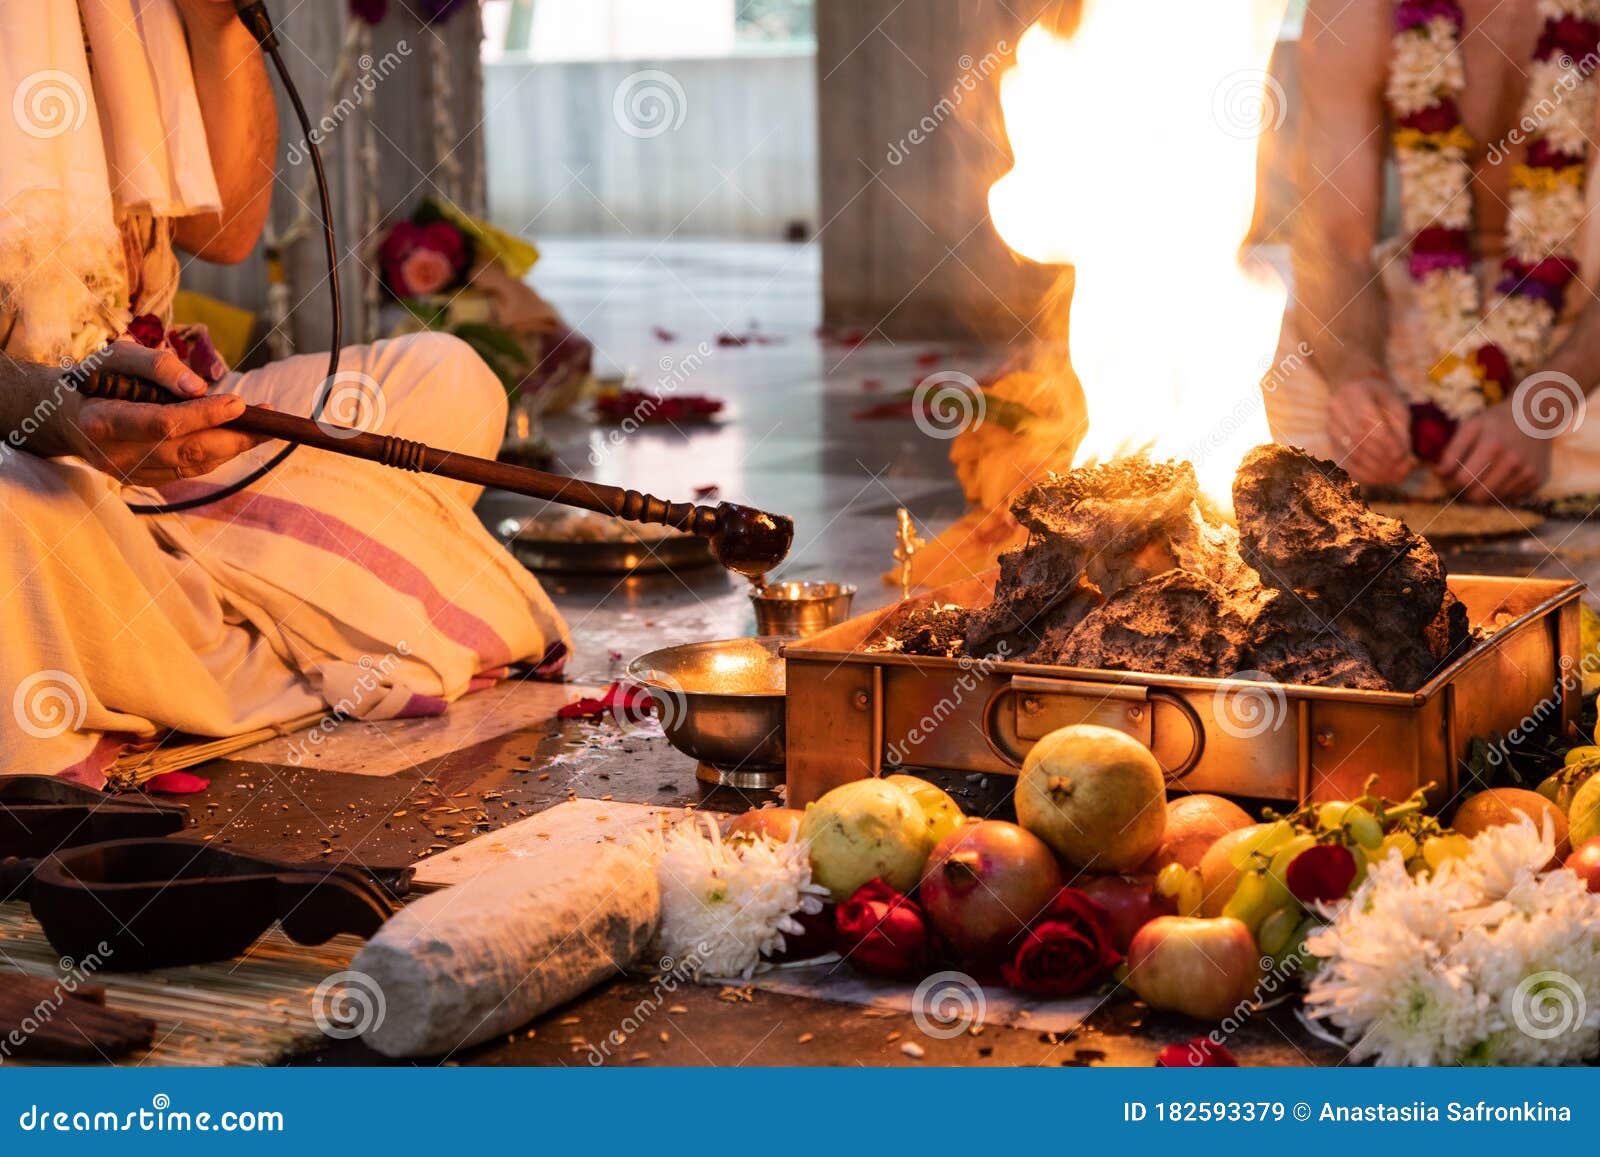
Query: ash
x=1128, y=567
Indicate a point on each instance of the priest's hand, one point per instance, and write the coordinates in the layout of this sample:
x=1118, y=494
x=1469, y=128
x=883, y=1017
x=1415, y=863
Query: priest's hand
x=1493, y=456
x=1370, y=423
x=149, y=445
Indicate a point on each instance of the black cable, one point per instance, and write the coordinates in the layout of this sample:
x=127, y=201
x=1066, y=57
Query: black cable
x=255, y=18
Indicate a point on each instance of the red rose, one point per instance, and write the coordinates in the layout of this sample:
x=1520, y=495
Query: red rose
x=1436, y=118
x=147, y=330
x=881, y=932
x=1492, y=360
x=1431, y=431
x=440, y=240
x=1321, y=874
x=1067, y=949
x=1555, y=272
x=1568, y=36
x=1200, y=1053
x=1435, y=239
x=1543, y=155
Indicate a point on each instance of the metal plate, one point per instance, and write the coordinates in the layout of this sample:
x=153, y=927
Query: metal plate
x=680, y=552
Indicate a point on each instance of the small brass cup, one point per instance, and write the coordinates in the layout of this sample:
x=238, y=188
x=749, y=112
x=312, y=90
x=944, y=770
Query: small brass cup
x=801, y=608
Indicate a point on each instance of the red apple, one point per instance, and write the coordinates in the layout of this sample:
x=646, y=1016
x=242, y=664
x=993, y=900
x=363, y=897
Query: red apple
x=1130, y=901
x=1201, y=967
x=1586, y=862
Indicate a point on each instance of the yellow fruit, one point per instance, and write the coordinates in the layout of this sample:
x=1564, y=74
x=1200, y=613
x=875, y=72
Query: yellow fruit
x=1095, y=795
x=1194, y=823
x=1507, y=805
x=1585, y=815
x=1219, y=875
x=942, y=813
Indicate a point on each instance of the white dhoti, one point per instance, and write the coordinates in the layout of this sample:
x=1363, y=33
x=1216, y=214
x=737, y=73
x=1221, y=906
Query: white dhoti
x=332, y=584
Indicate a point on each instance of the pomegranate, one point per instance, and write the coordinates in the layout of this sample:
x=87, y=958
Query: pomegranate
x=984, y=883
x=1130, y=901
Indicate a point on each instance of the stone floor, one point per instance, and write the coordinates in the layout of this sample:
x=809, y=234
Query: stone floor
x=788, y=441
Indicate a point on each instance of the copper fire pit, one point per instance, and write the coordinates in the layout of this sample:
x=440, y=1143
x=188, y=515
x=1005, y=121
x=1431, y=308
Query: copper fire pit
x=854, y=713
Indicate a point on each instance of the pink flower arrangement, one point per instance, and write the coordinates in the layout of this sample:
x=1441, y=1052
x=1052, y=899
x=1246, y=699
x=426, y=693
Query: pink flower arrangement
x=418, y=260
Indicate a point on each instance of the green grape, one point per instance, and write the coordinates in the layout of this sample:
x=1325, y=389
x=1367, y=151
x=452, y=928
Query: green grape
x=1191, y=894
x=1169, y=881
x=1437, y=849
x=1277, y=930
x=1360, y=824
x=1297, y=951
x=1401, y=842
x=1263, y=842
x=1253, y=898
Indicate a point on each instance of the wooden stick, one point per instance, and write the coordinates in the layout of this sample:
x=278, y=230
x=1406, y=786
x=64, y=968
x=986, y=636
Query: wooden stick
x=422, y=458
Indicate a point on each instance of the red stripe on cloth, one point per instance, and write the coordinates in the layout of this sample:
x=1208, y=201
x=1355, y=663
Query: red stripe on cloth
x=327, y=532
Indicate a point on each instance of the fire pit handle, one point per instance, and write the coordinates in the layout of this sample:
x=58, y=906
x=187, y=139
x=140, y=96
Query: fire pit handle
x=1012, y=758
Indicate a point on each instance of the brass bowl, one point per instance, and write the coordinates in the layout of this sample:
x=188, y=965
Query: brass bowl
x=722, y=703
x=801, y=609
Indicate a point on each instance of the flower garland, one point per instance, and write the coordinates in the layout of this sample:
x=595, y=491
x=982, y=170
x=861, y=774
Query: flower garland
x=1482, y=353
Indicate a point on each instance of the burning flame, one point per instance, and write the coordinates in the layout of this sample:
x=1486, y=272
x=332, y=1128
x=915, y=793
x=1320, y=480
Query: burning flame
x=1135, y=143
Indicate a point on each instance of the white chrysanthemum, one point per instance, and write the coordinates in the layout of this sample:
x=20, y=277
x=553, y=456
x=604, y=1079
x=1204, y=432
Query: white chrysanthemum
x=1434, y=184
x=1543, y=223
x=1426, y=67
x=1521, y=327
x=726, y=903
x=1485, y=961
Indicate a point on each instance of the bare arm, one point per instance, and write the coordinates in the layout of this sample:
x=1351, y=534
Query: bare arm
x=1339, y=305
x=241, y=130
x=143, y=444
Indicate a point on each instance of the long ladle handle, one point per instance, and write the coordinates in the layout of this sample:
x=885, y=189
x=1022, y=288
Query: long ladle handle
x=403, y=454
